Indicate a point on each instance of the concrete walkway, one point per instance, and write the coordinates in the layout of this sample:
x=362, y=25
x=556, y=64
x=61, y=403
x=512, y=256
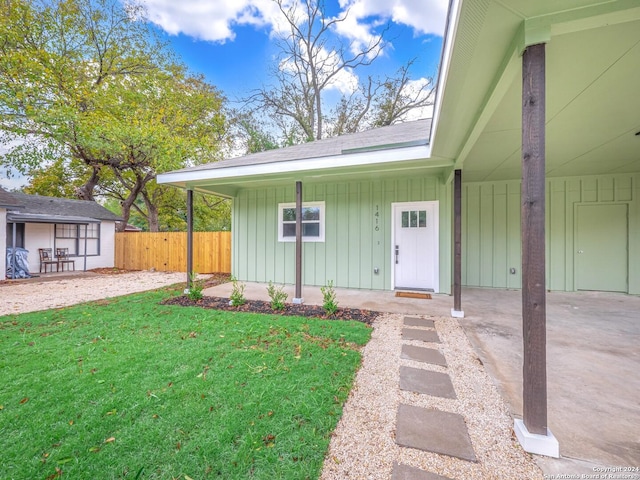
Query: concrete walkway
x=431, y=430
x=593, y=362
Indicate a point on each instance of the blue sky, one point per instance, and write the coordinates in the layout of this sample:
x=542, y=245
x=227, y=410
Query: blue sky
x=231, y=42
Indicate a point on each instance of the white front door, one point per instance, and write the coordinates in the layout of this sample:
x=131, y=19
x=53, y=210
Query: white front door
x=415, y=246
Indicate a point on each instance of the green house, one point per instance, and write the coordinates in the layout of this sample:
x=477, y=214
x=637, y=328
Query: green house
x=378, y=206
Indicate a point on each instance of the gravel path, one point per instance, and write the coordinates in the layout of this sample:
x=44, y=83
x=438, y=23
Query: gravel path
x=363, y=445
x=29, y=296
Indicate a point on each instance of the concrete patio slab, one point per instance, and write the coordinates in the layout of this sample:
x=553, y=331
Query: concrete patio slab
x=405, y=472
x=423, y=354
x=592, y=364
x=427, y=382
x=419, y=322
x=433, y=431
x=430, y=336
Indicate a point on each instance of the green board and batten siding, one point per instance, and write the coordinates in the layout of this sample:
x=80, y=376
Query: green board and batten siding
x=353, y=247
x=491, y=233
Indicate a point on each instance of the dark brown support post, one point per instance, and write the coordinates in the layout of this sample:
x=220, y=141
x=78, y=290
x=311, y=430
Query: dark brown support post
x=189, y=237
x=457, y=245
x=533, y=240
x=298, y=297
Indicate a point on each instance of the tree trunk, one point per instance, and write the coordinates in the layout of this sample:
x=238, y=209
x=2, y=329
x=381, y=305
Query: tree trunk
x=85, y=192
x=152, y=216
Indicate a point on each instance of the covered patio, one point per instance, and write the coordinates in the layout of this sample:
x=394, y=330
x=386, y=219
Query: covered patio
x=592, y=352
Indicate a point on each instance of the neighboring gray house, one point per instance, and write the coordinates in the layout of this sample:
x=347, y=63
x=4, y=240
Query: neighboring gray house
x=37, y=221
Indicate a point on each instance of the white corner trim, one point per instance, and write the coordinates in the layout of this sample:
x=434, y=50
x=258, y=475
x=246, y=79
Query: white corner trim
x=457, y=313
x=452, y=27
x=534, y=443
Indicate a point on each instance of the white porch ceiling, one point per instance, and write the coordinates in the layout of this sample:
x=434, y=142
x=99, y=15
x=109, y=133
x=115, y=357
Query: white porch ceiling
x=593, y=82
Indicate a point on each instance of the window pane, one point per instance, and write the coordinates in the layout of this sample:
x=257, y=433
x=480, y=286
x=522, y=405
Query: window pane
x=91, y=229
x=68, y=243
x=310, y=229
x=405, y=219
x=289, y=230
x=422, y=218
x=311, y=213
x=289, y=214
x=414, y=219
x=66, y=231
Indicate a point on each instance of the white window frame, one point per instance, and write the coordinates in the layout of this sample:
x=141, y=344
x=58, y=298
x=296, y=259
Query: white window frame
x=282, y=206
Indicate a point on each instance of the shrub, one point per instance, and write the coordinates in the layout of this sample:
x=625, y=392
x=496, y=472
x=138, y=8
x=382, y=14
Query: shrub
x=329, y=302
x=277, y=296
x=195, y=292
x=237, y=293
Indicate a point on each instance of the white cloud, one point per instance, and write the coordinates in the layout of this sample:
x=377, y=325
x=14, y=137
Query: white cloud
x=424, y=16
x=214, y=20
x=414, y=86
x=206, y=19
x=345, y=81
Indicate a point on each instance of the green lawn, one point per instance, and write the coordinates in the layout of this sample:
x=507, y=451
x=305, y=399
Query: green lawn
x=129, y=388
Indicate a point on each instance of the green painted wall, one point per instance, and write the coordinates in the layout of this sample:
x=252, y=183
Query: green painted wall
x=491, y=228
x=352, y=247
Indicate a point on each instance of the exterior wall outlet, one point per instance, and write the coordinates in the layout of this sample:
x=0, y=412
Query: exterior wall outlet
x=512, y=271
x=376, y=270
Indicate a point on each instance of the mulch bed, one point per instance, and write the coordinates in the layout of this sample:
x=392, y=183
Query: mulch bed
x=258, y=306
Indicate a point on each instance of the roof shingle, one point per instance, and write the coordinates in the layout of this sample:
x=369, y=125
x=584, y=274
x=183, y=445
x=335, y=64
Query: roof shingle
x=39, y=204
x=414, y=132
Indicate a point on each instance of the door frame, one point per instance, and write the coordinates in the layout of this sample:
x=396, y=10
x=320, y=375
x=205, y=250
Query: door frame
x=436, y=254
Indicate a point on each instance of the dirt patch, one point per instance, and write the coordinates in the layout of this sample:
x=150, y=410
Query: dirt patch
x=111, y=271
x=259, y=306
x=214, y=279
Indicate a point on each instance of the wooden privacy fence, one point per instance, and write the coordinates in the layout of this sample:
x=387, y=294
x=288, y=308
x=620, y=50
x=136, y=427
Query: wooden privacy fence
x=167, y=251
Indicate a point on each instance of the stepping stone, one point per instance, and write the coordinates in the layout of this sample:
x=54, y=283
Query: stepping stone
x=424, y=381
x=423, y=354
x=405, y=472
x=419, y=322
x=433, y=431
x=424, y=335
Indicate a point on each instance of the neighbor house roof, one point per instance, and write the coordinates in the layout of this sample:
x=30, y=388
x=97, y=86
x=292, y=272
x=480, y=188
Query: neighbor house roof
x=7, y=200
x=373, y=152
x=41, y=209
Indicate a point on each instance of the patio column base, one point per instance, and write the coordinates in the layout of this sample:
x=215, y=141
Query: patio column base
x=298, y=301
x=534, y=443
x=457, y=313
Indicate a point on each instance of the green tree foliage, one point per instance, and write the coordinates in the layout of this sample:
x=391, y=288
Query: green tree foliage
x=83, y=83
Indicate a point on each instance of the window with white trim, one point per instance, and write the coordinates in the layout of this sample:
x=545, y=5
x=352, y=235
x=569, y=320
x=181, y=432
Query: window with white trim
x=312, y=222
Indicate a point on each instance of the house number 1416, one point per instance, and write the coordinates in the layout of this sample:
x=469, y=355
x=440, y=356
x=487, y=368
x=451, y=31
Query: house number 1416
x=376, y=217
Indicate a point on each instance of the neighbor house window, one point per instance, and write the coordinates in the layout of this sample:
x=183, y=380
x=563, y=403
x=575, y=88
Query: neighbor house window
x=312, y=222
x=72, y=237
